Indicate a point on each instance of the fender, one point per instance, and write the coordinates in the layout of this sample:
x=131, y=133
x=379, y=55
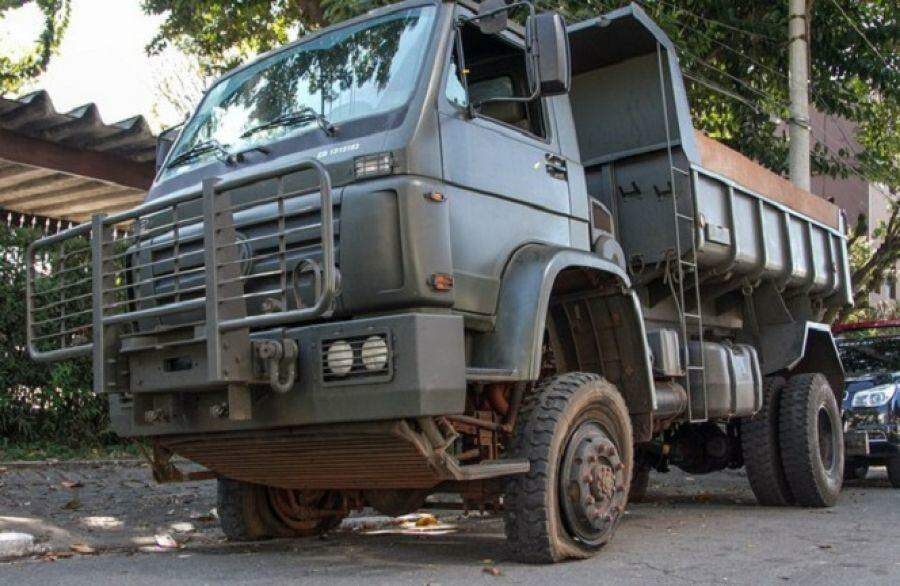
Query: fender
x=802, y=346
x=516, y=342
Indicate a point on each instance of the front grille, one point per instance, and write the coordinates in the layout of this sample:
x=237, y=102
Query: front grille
x=196, y=267
x=271, y=240
x=367, y=358
x=60, y=294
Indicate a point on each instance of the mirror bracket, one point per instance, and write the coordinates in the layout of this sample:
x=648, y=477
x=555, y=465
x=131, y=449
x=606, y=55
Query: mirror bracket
x=490, y=24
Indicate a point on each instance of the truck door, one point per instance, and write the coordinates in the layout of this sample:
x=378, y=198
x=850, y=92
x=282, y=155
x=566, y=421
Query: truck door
x=507, y=184
x=508, y=149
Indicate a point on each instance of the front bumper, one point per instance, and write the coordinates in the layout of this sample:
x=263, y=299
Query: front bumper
x=425, y=376
x=871, y=433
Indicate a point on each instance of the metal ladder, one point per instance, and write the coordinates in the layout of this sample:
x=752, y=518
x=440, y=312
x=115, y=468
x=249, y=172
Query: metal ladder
x=685, y=260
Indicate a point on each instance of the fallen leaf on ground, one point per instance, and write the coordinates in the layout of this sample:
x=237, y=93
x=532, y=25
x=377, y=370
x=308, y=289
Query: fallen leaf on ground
x=426, y=520
x=166, y=540
x=72, y=505
x=82, y=548
x=493, y=571
x=55, y=555
x=70, y=484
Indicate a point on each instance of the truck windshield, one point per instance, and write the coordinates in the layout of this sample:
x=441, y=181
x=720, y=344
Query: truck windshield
x=352, y=72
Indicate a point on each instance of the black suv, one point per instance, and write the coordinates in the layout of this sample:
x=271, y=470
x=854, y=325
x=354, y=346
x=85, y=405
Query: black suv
x=871, y=402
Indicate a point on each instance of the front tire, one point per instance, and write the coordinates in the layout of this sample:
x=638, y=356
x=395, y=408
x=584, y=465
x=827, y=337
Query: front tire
x=575, y=431
x=893, y=470
x=812, y=441
x=244, y=513
x=251, y=512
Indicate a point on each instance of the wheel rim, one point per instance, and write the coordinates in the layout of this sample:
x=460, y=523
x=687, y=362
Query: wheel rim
x=827, y=439
x=299, y=510
x=592, y=484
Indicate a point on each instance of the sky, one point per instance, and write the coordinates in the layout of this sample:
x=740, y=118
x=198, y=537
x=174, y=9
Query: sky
x=101, y=59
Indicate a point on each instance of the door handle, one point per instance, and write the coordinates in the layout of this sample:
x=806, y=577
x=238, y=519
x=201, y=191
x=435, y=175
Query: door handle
x=556, y=166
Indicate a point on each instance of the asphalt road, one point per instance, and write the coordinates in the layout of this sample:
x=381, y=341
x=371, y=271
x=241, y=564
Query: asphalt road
x=694, y=530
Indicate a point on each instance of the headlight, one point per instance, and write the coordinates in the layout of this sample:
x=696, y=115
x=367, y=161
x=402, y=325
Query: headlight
x=373, y=165
x=339, y=357
x=374, y=353
x=874, y=397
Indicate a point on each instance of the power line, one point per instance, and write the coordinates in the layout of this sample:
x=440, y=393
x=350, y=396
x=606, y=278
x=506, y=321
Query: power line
x=734, y=78
x=716, y=87
x=862, y=34
x=733, y=50
x=827, y=156
x=731, y=27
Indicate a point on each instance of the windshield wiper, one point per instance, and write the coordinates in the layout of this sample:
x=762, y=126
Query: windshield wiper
x=201, y=148
x=301, y=116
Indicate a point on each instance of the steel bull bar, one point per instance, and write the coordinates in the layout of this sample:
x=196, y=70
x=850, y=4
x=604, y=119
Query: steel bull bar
x=121, y=261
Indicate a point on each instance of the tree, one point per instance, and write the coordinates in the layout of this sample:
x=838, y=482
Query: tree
x=734, y=55
x=15, y=71
x=179, y=84
x=223, y=33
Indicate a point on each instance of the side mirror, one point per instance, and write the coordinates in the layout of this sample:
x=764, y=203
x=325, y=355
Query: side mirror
x=164, y=143
x=548, y=44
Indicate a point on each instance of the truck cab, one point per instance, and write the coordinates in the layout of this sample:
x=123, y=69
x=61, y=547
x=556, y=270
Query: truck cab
x=429, y=249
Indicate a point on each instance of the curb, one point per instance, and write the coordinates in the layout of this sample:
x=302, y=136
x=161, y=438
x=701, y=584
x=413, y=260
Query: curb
x=25, y=464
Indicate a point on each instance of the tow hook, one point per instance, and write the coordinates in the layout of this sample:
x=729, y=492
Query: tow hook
x=279, y=359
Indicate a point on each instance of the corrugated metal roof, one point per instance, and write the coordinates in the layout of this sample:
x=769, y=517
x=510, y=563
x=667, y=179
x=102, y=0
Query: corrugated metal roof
x=82, y=128
x=71, y=165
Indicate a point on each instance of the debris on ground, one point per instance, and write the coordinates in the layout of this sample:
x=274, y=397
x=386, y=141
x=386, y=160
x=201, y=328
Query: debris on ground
x=166, y=541
x=426, y=521
x=83, y=548
x=14, y=544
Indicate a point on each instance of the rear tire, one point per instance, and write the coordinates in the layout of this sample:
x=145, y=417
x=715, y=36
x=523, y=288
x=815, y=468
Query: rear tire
x=575, y=431
x=812, y=441
x=761, y=447
x=893, y=470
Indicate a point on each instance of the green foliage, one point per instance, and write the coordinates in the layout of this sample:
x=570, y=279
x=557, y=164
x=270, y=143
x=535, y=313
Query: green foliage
x=223, y=33
x=48, y=402
x=14, y=72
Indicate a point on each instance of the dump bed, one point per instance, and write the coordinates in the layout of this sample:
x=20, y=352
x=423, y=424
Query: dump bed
x=755, y=224
x=677, y=194
x=749, y=224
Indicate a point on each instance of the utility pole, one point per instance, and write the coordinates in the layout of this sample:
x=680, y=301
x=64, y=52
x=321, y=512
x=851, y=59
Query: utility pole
x=798, y=43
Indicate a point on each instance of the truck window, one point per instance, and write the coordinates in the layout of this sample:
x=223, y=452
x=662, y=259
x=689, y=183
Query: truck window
x=495, y=68
x=355, y=71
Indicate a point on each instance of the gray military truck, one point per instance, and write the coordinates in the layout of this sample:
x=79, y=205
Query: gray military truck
x=429, y=250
